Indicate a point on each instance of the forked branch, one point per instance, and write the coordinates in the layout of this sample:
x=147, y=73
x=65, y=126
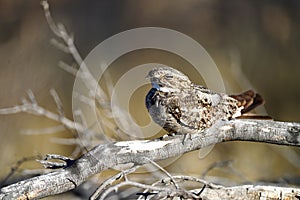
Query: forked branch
x=134, y=153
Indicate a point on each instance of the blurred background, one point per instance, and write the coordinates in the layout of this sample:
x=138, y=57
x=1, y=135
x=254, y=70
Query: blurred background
x=254, y=43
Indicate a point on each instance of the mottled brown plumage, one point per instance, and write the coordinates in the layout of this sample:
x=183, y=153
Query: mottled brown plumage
x=179, y=106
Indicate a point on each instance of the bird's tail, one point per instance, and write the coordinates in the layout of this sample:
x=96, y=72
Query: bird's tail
x=249, y=100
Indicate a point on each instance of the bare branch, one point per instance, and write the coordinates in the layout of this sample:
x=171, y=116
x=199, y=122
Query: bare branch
x=83, y=72
x=33, y=108
x=60, y=31
x=58, y=102
x=16, y=166
x=49, y=130
x=165, y=171
x=132, y=153
x=68, y=68
x=166, y=191
x=37, y=110
x=60, y=46
x=64, y=161
x=179, y=179
x=66, y=141
x=251, y=192
x=111, y=180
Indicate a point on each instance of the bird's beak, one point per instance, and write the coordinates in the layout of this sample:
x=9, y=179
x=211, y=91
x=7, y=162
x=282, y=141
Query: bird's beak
x=147, y=77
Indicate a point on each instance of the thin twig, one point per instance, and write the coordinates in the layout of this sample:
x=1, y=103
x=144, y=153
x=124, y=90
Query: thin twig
x=33, y=108
x=43, y=131
x=16, y=166
x=68, y=68
x=60, y=31
x=64, y=161
x=165, y=171
x=58, y=102
x=83, y=72
x=111, y=180
x=135, y=184
x=61, y=46
x=40, y=111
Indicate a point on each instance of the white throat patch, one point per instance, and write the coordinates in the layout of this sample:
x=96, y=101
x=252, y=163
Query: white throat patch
x=162, y=89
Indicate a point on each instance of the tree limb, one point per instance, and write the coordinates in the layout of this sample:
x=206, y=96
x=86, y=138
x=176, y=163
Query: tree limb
x=251, y=192
x=127, y=154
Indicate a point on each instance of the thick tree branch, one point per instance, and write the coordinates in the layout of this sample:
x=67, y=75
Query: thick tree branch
x=251, y=192
x=127, y=154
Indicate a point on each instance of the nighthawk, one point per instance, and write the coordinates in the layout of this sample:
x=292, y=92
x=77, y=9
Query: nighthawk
x=179, y=106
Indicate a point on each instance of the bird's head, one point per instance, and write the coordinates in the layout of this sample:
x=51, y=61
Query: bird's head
x=167, y=79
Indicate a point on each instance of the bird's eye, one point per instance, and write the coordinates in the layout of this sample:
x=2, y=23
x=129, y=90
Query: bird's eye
x=168, y=76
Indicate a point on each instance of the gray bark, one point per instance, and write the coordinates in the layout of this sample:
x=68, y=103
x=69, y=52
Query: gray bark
x=126, y=154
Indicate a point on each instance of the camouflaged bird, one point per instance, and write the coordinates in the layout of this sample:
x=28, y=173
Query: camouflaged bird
x=179, y=106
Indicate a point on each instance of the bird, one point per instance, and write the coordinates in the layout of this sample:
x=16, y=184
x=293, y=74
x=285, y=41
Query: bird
x=180, y=106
